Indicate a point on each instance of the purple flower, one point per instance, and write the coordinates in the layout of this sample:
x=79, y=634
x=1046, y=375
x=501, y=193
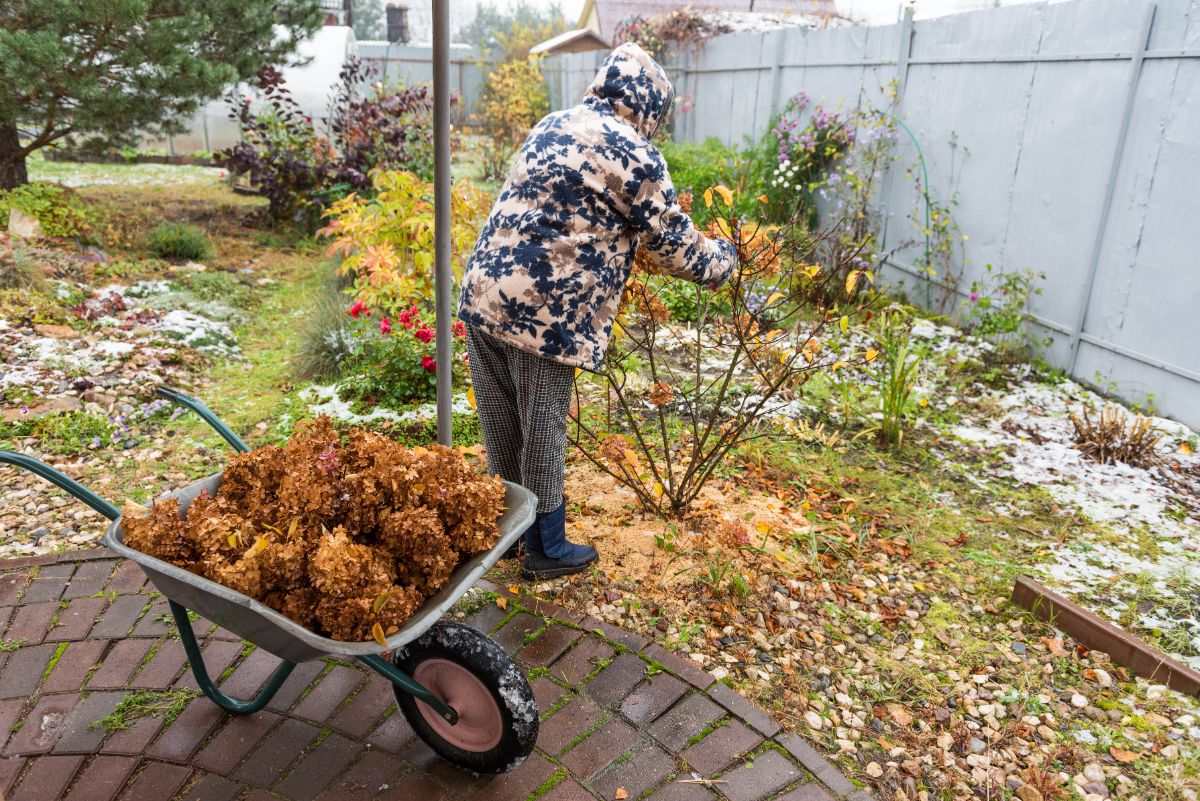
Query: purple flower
x=974, y=296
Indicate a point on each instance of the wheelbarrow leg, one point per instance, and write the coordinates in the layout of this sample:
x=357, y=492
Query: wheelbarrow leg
x=192, y=649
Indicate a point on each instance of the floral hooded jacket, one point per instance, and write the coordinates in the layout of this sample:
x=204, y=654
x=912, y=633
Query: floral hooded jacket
x=585, y=190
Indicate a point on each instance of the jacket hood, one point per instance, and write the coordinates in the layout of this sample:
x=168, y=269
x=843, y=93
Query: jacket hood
x=635, y=87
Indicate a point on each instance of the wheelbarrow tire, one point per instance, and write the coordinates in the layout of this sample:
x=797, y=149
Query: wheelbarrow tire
x=498, y=716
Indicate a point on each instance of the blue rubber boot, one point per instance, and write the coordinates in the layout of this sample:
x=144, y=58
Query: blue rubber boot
x=547, y=552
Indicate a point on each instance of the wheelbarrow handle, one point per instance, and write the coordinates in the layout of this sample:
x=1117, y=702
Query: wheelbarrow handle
x=61, y=481
x=187, y=401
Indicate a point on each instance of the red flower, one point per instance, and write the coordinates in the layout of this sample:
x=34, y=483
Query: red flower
x=385, y=325
x=358, y=308
x=424, y=334
x=429, y=363
x=459, y=328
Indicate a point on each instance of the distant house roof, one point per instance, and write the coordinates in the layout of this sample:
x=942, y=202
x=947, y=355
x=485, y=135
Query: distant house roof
x=603, y=16
x=575, y=41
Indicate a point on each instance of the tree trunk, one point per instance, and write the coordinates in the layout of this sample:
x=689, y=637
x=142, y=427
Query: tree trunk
x=12, y=158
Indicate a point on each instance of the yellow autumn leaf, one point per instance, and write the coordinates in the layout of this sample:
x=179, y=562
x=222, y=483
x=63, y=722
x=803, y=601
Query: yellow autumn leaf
x=1186, y=448
x=502, y=603
x=763, y=199
x=515, y=589
x=260, y=545
x=871, y=355
x=377, y=634
x=923, y=402
x=763, y=527
x=233, y=539
x=657, y=491
x=725, y=194
x=852, y=280
x=844, y=323
x=774, y=296
x=471, y=396
x=292, y=528
x=708, y=198
x=839, y=364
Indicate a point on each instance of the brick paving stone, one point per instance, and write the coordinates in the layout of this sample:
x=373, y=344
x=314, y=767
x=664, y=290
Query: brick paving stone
x=813, y=791
x=861, y=795
x=634, y=642
x=612, y=684
x=816, y=764
x=102, y=779
x=57, y=570
x=392, y=734
x=684, y=721
x=122, y=613
x=134, y=739
x=295, y=684
x=73, y=665
x=153, y=623
x=577, y=664
x=649, y=766
x=217, y=656
x=424, y=760
x=549, y=645
x=651, y=698
x=160, y=672
x=46, y=778
x=43, y=725
x=231, y=744
x=89, y=579
x=10, y=711
x=487, y=618
x=567, y=723
x=127, y=578
x=415, y=787
x=10, y=768
x=42, y=590
x=568, y=790
x=359, y=715
x=23, y=670
x=600, y=748
x=261, y=795
x=327, y=696
x=11, y=586
x=720, y=748
x=363, y=780
x=519, y=783
x=77, y=619
x=119, y=665
x=552, y=610
x=680, y=665
x=756, y=780
x=251, y=674
x=318, y=767
x=31, y=622
x=512, y=636
x=213, y=788
x=179, y=740
x=758, y=719
x=76, y=737
x=156, y=781
x=679, y=791
x=546, y=693
x=281, y=748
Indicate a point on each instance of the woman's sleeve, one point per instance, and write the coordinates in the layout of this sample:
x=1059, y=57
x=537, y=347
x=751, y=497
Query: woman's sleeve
x=667, y=235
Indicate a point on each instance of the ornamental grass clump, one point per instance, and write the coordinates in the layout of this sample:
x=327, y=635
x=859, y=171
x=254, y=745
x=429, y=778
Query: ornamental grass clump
x=1116, y=437
x=345, y=536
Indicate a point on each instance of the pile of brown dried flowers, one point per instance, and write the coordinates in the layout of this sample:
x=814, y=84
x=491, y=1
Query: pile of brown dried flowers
x=347, y=538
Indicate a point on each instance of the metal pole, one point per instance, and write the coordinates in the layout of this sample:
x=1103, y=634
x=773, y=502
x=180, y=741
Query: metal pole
x=885, y=187
x=1085, y=296
x=441, y=213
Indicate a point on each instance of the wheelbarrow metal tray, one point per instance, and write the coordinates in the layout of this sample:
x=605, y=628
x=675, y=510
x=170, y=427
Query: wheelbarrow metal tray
x=266, y=628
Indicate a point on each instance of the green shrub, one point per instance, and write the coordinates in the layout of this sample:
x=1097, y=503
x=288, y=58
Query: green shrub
x=59, y=210
x=695, y=168
x=173, y=240
x=66, y=434
x=327, y=342
x=215, y=285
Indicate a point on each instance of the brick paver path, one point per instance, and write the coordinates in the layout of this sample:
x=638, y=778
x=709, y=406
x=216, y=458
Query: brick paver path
x=621, y=716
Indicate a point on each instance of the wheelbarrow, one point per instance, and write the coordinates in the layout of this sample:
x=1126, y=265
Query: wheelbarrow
x=458, y=689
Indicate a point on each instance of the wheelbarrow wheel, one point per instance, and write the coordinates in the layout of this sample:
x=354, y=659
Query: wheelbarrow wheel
x=498, y=716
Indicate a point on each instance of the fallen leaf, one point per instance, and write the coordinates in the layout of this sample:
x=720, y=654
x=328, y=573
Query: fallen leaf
x=502, y=603
x=1122, y=755
x=899, y=714
x=621, y=794
x=377, y=633
x=514, y=589
x=1055, y=646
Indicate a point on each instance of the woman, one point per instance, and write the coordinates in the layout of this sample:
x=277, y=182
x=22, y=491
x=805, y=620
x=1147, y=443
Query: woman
x=541, y=288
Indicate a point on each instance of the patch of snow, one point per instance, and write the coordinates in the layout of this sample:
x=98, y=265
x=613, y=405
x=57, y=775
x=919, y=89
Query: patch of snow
x=324, y=399
x=199, y=333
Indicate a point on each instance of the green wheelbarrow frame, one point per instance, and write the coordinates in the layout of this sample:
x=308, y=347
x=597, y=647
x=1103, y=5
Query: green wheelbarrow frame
x=259, y=624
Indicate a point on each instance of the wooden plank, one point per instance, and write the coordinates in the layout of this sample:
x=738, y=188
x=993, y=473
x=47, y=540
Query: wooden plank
x=1100, y=635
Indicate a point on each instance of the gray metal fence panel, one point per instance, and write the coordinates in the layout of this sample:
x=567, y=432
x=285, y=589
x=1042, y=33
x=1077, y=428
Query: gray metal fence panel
x=1069, y=133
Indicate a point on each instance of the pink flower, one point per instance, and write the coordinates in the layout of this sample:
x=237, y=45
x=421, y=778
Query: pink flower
x=358, y=308
x=424, y=334
x=407, y=318
x=974, y=296
x=459, y=328
x=429, y=363
x=385, y=325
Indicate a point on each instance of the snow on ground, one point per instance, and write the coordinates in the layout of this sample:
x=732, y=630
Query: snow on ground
x=324, y=399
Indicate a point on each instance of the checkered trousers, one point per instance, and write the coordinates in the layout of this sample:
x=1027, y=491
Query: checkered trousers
x=523, y=401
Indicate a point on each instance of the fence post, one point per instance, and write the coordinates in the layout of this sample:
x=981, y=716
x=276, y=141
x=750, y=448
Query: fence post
x=904, y=54
x=1135, y=73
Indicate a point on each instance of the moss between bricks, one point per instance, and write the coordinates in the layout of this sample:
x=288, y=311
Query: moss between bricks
x=58, y=652
x=586, y=733
x=167, y=705
x=557, y=776
x=707, y=730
